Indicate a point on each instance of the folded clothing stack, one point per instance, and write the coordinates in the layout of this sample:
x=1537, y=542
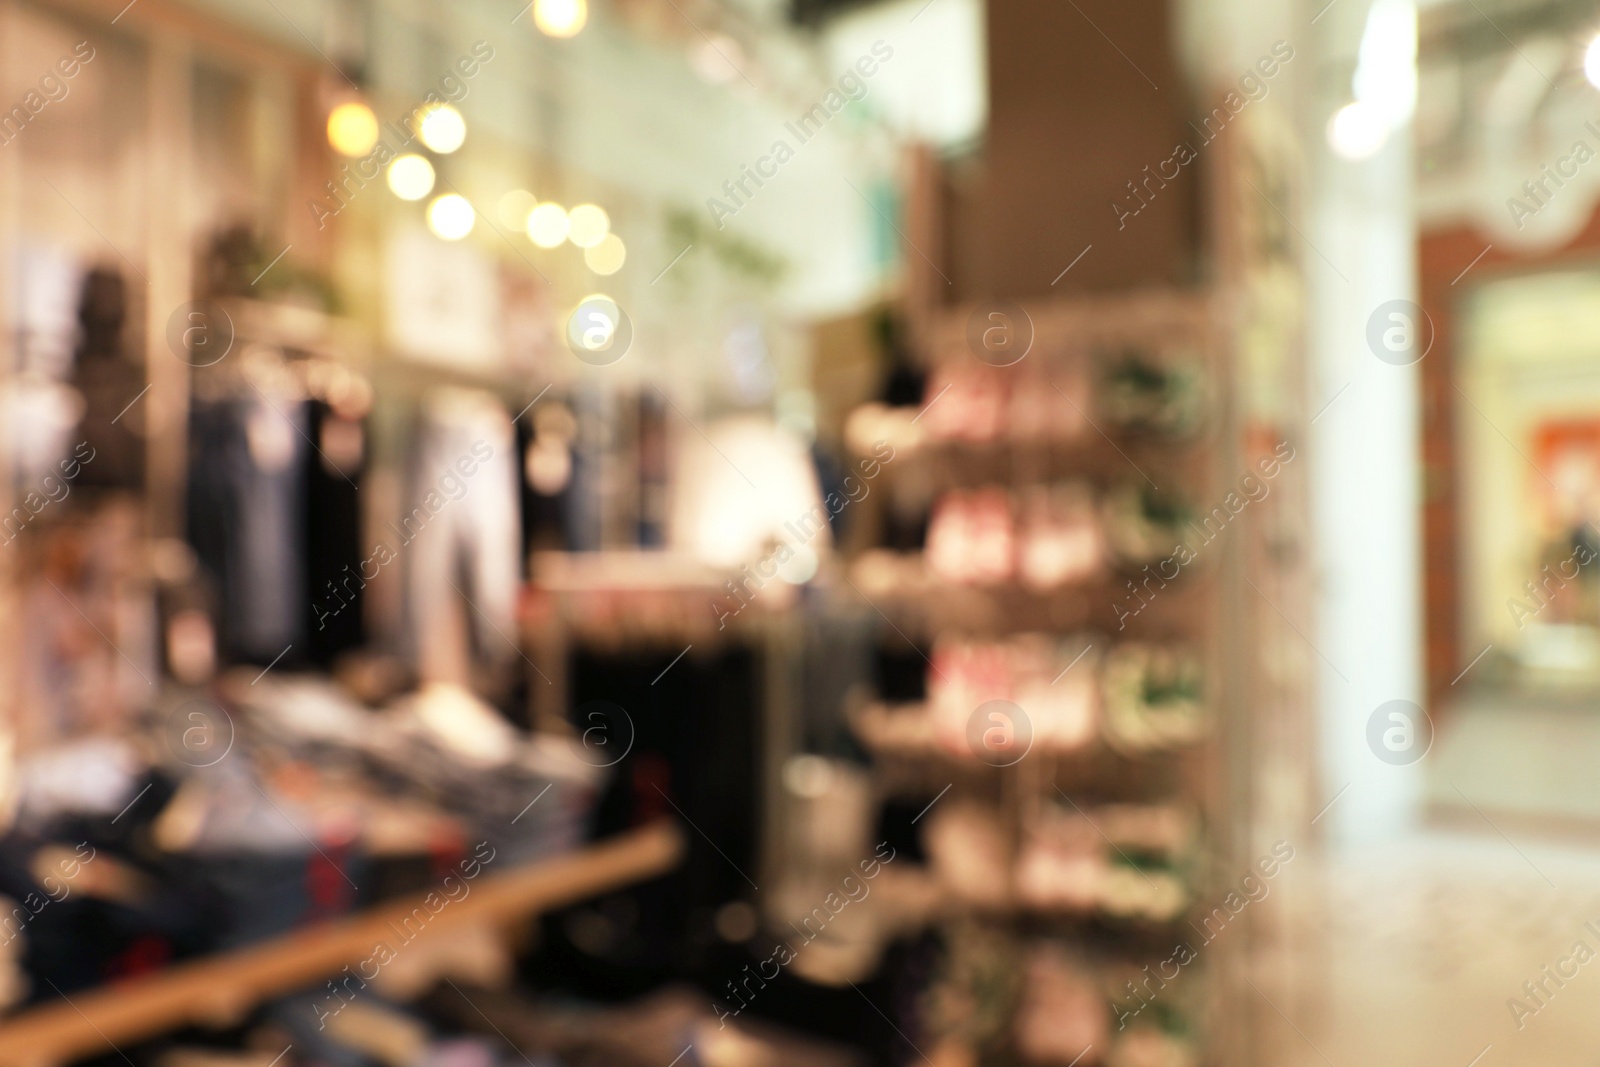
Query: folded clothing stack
x=1053, y=681
x=972, y=537
x=1133, y=389
x=1022, y=403
x=1046, y=537
x=1113, y=861
x=442, y=747
x=311, y=807
x=1128, y=861
x=1140, y=697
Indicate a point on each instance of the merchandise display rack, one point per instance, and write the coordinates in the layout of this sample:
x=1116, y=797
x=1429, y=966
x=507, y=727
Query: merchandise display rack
x=912, y=761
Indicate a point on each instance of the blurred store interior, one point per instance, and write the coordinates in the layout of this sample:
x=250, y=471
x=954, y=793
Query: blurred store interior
x=826, y=532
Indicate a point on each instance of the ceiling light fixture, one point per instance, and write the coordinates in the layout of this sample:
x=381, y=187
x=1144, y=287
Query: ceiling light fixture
x=451, y=216
x=560, y=18
x=548, y=224
x=352, y=129
x=410, y=177
x=442, y=129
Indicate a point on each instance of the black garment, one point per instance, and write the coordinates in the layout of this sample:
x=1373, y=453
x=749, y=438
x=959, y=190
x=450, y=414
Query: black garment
x=273, y=522
x=544, y=518
x=334, y=555
x=246, y=507
x=110, y=384
x=693, y=759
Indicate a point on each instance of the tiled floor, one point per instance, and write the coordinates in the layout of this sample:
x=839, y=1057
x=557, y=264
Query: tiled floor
x=1407, y=954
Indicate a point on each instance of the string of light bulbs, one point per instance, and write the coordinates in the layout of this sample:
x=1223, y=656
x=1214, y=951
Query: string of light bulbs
x=353, y=132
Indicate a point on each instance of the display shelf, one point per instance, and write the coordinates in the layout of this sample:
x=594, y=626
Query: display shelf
x=1115, y=453
x=1104, y=931
x=925, y=902
x=899, y=584
x=907, y=731
x=220, y=989
x=911, y=762
x=1149, y=316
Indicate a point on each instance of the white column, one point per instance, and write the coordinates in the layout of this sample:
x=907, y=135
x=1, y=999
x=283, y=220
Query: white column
x=1365, y=454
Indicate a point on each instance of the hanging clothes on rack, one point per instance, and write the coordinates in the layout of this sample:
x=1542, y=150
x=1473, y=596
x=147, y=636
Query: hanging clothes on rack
x=460, y=534
x=110, y=383
x=332, y=533
x=246, y=512
x=273, y=517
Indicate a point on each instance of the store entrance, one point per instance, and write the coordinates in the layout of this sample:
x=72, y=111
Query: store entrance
x=1527, y=462
x=1530, y=370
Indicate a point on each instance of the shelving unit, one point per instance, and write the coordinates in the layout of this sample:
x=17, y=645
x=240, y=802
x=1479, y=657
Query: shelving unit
x=942, y=607
x=220, y=989
x=911, y=760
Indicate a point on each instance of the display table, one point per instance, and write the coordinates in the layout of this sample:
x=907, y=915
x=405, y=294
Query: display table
x=219, y=989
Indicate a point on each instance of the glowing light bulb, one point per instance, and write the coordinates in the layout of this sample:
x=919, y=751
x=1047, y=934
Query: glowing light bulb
x=547, y=224
x=560, y=18
x=1357, y=131
x=514, y=207
x=606, y=257
x=352, y=129
x=589, y=225
x=410, y=177
x=1591, y=62
x=442, y=129
x=451, y=216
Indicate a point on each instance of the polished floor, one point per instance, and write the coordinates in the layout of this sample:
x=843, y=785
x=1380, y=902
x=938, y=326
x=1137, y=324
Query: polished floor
x=1416, y=951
